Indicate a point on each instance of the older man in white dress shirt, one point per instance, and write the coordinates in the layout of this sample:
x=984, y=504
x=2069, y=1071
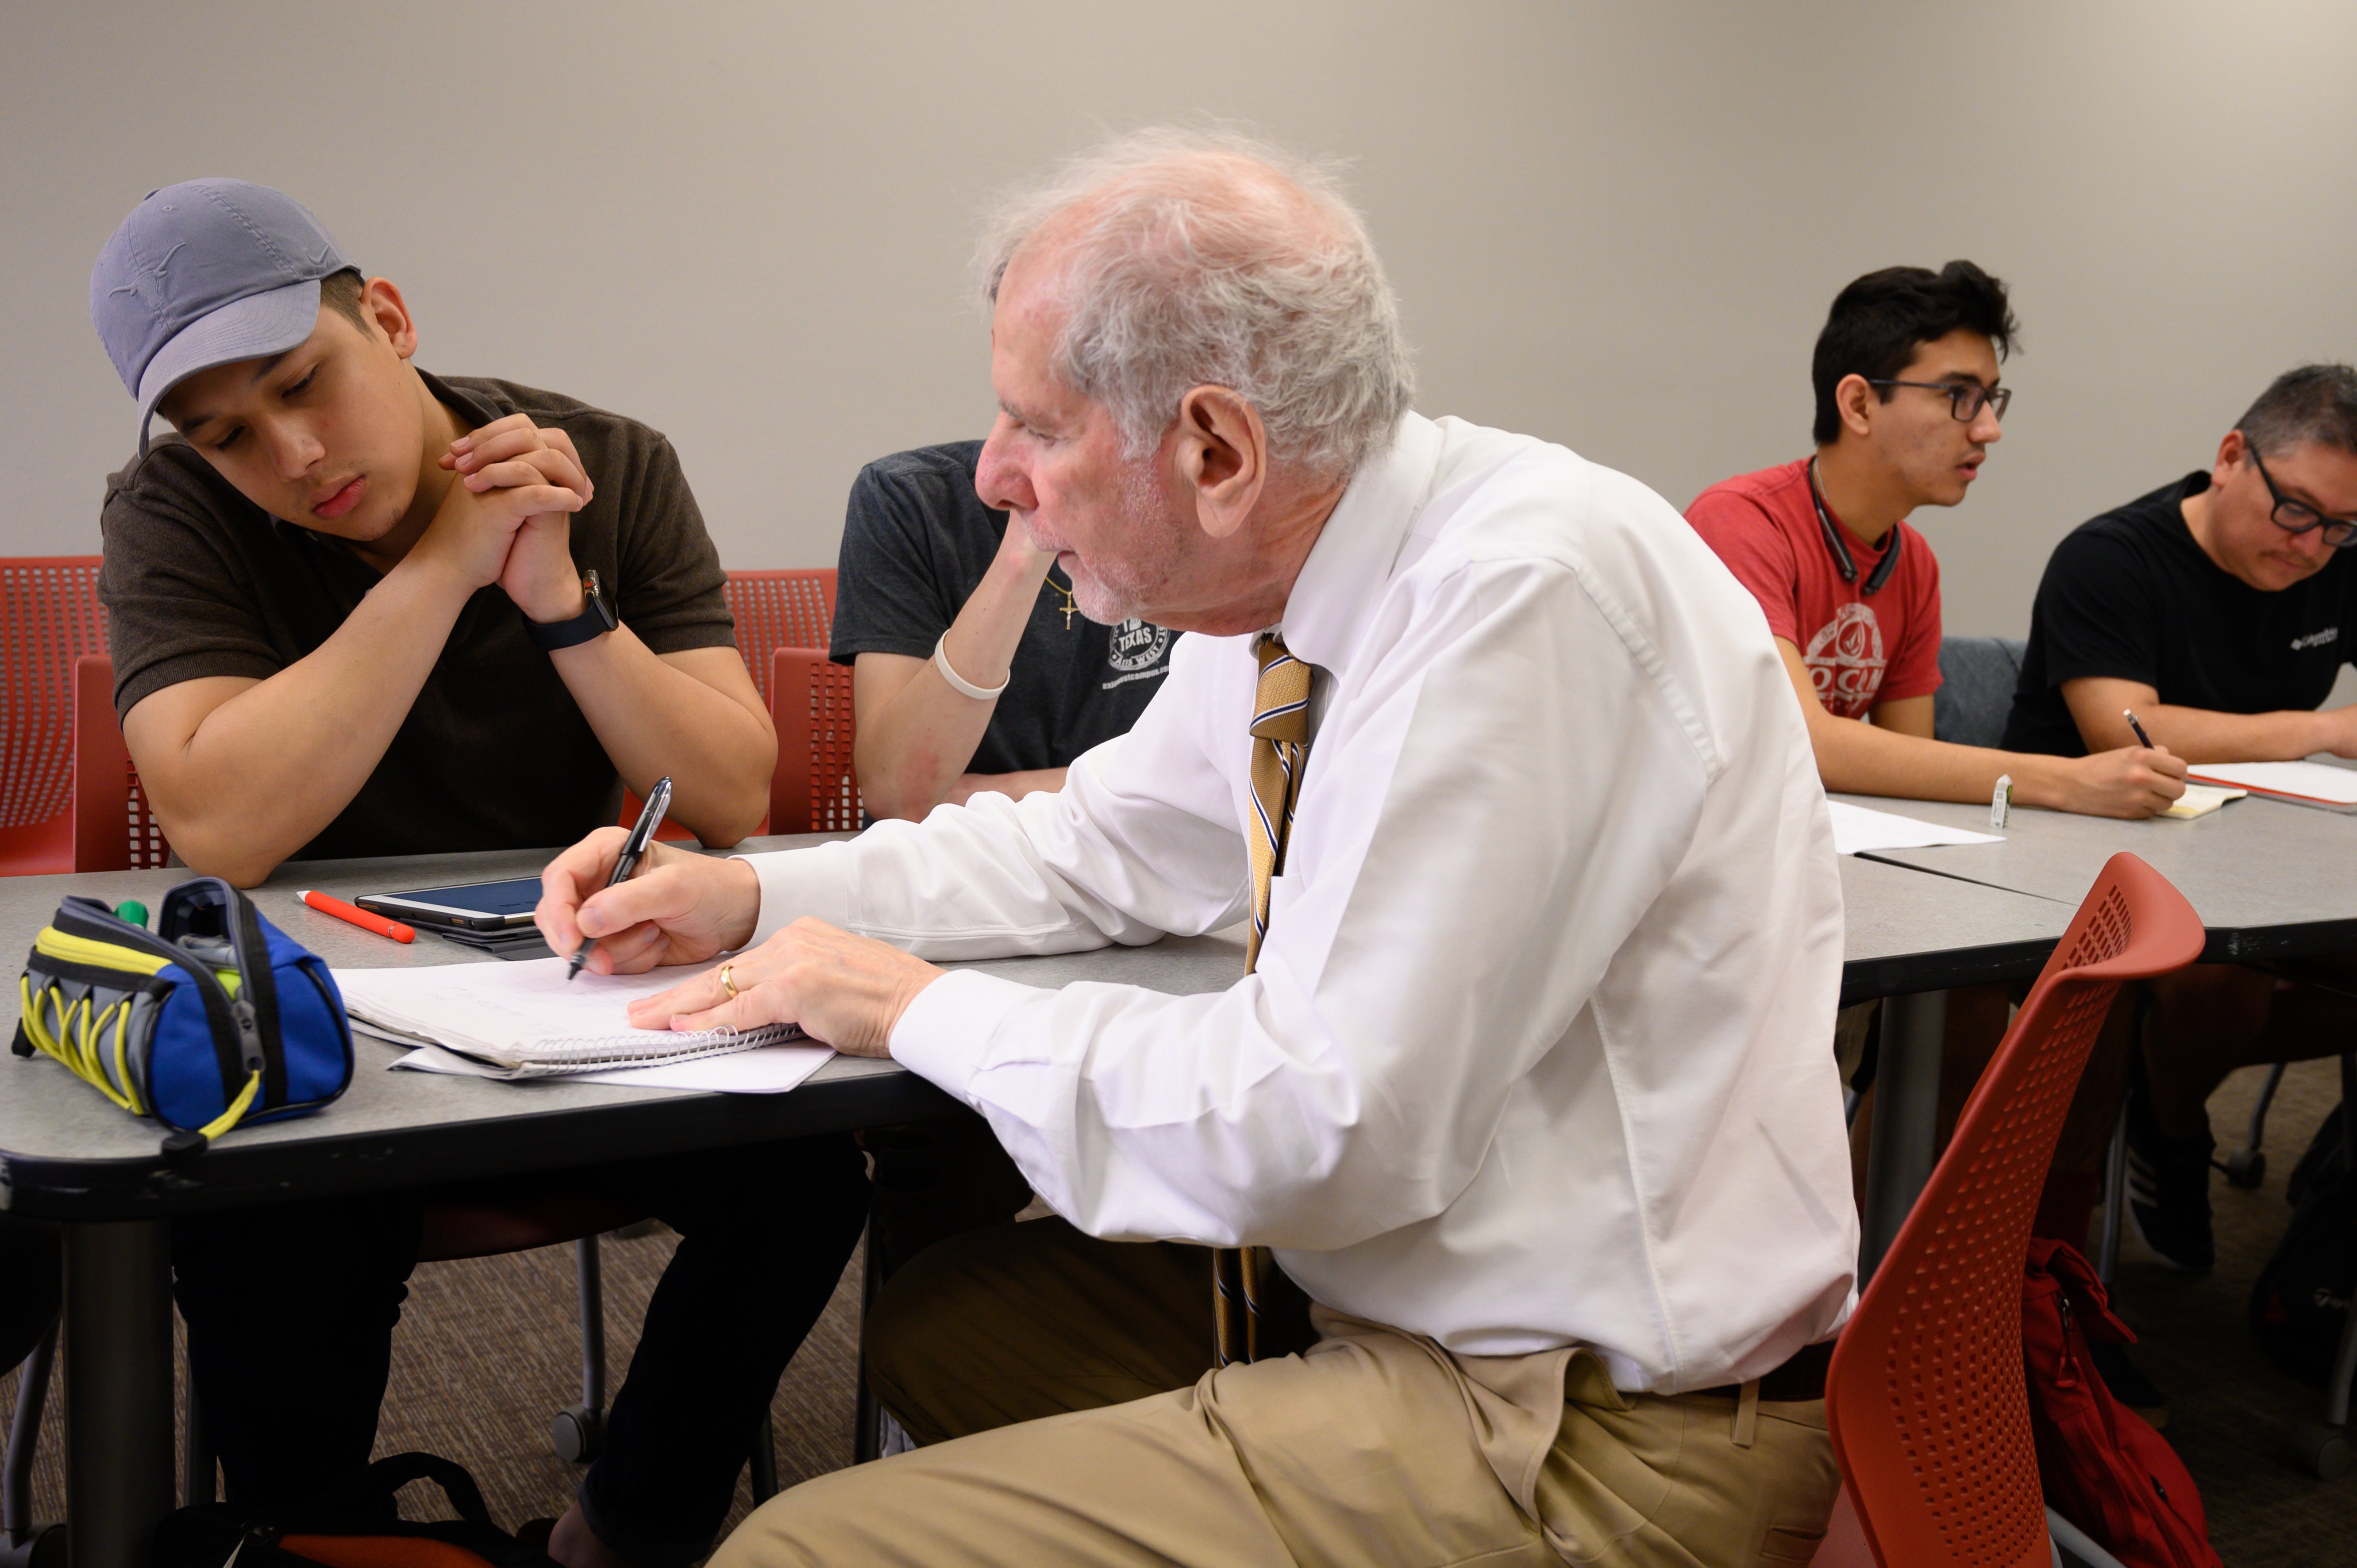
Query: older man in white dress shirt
x=1526, y=1087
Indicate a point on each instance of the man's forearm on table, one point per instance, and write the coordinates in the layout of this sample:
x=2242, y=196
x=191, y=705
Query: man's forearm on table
x=2202, y=735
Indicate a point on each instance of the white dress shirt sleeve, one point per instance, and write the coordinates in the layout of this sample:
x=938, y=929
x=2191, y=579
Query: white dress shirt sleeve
x=1141, y=840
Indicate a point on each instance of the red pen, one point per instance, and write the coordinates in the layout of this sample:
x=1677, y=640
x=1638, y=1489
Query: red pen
x=360, y=917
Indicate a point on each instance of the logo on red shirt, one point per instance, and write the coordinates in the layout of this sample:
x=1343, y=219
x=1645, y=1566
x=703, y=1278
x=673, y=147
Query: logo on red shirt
x=1846, y=661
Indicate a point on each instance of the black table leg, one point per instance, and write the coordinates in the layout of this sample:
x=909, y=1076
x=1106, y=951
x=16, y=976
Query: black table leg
x=118, y=1390
x=1906, y=1119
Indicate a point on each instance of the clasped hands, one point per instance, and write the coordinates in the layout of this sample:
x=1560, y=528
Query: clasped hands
x=507, y=520
x=683, y=907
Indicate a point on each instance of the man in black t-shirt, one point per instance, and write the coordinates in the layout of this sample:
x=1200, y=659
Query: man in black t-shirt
x=2218, y=609
x=972, y=667
x=971, y=670
x=2136, y=612
x=349, y=616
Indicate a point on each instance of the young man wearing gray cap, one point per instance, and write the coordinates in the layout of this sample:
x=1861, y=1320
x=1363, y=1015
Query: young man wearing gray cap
x=362, y=610
x=349, y=617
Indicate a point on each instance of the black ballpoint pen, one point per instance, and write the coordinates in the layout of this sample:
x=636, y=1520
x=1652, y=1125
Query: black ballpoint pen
x=642, y=833
x=2142, y=739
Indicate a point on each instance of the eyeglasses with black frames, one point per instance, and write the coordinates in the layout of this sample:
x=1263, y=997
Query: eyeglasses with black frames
x=1965, y=398
x=2298, y=517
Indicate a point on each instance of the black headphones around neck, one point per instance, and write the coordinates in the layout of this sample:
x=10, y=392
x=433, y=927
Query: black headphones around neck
x=1842, y=563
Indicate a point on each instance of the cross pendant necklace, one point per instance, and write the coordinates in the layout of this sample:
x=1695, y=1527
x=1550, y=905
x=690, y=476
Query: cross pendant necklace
x=1070, y=608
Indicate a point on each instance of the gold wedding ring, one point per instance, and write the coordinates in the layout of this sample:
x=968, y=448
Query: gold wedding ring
x=727, y=981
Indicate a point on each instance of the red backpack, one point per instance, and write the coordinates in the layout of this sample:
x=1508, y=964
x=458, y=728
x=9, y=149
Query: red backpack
x=2101, y=1466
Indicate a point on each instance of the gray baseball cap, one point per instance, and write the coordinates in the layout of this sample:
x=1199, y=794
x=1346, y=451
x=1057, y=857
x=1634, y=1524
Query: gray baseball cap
x=202, y=274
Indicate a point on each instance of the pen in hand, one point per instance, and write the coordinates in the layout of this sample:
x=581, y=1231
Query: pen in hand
x=642, y=833
x=2142, y=739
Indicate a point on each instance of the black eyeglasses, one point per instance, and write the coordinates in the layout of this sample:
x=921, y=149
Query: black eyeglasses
x=2298, y=517
x=1965, y=398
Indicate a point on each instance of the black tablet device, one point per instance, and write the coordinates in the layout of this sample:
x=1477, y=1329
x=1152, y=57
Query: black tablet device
x=473, y=906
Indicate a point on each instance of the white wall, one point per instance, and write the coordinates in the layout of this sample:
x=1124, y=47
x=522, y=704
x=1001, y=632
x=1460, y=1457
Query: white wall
x=1617, y=226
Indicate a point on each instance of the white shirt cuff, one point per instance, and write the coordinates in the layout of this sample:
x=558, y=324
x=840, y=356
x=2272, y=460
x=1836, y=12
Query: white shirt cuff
x=797, y=882
x=944, y=1035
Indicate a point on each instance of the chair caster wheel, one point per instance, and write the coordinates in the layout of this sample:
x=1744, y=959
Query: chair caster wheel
x=578, y=1433
x=2246, y=1169
x=44, y=1546
x=2325, y=1450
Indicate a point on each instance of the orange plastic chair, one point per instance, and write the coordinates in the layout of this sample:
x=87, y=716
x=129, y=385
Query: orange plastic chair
x=1929, y=1413
x=780, y=609
x=114, y=828
x=813, y=789
x=774, y=609
x=50, y=615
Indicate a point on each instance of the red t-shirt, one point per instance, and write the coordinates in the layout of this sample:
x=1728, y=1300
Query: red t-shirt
x=1860, y=652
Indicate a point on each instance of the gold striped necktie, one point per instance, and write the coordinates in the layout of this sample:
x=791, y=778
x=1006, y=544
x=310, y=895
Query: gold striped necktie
x=1245, y=1279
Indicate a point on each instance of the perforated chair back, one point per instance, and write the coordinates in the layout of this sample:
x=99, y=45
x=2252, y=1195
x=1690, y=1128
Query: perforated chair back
x=780, y=609
x=114, y=828
x=1925, y=1399
x=814, y=790
x=772, y=609
x=50, y=615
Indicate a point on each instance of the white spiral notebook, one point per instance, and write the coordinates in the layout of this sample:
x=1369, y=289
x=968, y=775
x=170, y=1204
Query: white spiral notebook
x=524, y=1020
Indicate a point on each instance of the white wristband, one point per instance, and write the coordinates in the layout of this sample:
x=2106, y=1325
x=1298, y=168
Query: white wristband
x=981, y=693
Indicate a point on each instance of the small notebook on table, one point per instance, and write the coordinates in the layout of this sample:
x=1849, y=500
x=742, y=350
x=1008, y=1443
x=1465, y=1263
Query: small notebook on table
x=2200, y=799
x=522, y=1020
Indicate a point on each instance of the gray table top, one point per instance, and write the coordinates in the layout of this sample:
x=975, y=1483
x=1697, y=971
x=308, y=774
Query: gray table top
x=67, y=1153
x=1905, y=931
x=2268, y=878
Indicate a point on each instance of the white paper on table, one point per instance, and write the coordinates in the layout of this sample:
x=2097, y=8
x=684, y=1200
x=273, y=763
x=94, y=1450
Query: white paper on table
x=1859, y=828
x=765, y=1070
x=2319, y=783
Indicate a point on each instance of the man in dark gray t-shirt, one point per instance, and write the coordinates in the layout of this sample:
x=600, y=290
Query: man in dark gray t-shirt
x=932, y=587
x=359, y=610
x=930, y=578
x=494, y=752
x=362, y=611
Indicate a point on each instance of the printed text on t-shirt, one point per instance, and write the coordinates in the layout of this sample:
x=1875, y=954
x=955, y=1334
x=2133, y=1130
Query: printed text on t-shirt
x=1846, y=660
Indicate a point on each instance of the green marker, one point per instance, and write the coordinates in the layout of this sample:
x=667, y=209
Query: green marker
x=132, y=910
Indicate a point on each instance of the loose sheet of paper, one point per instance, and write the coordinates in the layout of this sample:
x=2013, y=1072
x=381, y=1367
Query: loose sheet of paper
x=766, y=1069
x=1857, y=828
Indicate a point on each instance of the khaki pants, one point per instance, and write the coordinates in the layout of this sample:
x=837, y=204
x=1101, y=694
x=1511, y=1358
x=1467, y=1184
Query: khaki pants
x=1375, y=1447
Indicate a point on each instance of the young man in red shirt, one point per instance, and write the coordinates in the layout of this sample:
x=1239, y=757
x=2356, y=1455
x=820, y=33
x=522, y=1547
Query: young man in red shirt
x=1908, y=407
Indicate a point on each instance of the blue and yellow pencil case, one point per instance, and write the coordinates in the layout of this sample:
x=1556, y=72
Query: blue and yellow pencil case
x=213, y=1020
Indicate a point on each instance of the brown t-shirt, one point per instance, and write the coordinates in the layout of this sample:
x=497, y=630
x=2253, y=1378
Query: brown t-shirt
x=198, y=581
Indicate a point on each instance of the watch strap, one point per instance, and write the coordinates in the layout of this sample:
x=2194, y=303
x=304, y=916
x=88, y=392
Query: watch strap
x=595, y=619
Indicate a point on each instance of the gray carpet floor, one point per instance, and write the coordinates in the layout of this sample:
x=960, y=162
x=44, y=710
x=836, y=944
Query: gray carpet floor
x=487, y=1353
x=2232, y=1415
x=489, y=1350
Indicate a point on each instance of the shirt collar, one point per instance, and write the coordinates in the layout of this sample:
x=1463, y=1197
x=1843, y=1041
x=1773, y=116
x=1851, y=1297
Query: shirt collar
x=458, y=400
x=1358, y=548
